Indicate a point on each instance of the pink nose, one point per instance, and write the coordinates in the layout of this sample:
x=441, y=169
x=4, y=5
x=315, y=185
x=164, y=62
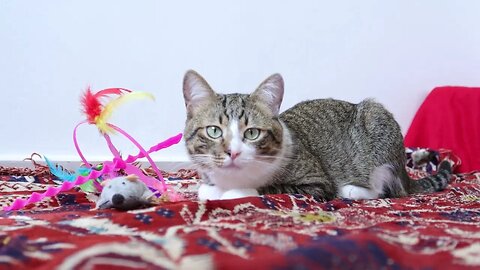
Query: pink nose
x=233, y=155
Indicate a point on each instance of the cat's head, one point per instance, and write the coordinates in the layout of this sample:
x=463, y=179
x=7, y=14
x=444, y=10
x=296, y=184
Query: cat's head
x=228, y=133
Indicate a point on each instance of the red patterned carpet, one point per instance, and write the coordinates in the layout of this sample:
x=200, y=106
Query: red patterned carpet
x=434, y=231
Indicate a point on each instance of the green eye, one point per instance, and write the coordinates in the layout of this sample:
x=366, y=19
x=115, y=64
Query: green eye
x=252, y=133
x=214, y=132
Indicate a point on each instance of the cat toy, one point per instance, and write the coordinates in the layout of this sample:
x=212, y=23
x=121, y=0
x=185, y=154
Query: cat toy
x=125, y=193
x=98, y=114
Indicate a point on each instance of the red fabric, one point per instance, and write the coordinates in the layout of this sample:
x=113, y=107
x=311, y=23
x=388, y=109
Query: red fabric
x=449, y=118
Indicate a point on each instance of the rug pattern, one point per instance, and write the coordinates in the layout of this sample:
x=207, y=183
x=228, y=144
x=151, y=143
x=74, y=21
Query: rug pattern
x=426, y=231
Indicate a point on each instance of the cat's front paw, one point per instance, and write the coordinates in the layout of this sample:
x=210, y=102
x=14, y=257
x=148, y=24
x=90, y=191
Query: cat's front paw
x=209, y=192
x=239, y=193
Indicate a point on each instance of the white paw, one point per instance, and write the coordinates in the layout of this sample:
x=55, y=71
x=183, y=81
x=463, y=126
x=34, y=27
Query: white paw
x=356, y=193
x=239, y=193
x=208, y=192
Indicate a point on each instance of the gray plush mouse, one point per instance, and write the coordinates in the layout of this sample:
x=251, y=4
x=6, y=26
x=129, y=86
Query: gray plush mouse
x=125, y=193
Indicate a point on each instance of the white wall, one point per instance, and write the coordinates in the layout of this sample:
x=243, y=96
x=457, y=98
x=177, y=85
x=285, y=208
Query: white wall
x=394, y=51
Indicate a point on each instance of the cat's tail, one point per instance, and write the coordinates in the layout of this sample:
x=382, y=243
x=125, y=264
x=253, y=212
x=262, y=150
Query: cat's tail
x=387, y=183
x=433, y=183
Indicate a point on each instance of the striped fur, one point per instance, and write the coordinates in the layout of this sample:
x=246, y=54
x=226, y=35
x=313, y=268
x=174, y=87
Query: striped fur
x=316, y=147
x=435, y=182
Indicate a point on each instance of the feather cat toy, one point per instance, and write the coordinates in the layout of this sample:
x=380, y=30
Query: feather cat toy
x=98, y=113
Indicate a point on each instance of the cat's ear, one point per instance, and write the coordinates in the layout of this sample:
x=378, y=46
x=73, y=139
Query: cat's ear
x=195, y=90
x=270, y=92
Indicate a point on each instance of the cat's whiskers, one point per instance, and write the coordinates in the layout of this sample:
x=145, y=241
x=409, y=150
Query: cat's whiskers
x=203, y=161
x=286, y=158
x=269, y=162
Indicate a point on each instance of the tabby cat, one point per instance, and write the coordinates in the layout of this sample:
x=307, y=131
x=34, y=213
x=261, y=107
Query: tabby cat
x=327, y=148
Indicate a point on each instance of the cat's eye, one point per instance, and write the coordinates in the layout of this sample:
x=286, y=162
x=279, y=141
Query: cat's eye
x=252, y=134
x=214, y=132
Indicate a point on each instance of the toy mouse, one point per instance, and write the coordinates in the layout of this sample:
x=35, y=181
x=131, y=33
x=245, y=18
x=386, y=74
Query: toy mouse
x=125, y=193
x=98, y=108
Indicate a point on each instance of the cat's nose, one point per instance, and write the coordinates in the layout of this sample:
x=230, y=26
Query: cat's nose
x=233, y=154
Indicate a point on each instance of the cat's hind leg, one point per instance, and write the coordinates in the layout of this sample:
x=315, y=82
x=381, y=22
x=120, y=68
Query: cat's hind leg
x=387, y=182
x=382, y=181
x=356, y=193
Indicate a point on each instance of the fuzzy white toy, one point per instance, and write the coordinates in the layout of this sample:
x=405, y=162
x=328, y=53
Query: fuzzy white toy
x=125, y=193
